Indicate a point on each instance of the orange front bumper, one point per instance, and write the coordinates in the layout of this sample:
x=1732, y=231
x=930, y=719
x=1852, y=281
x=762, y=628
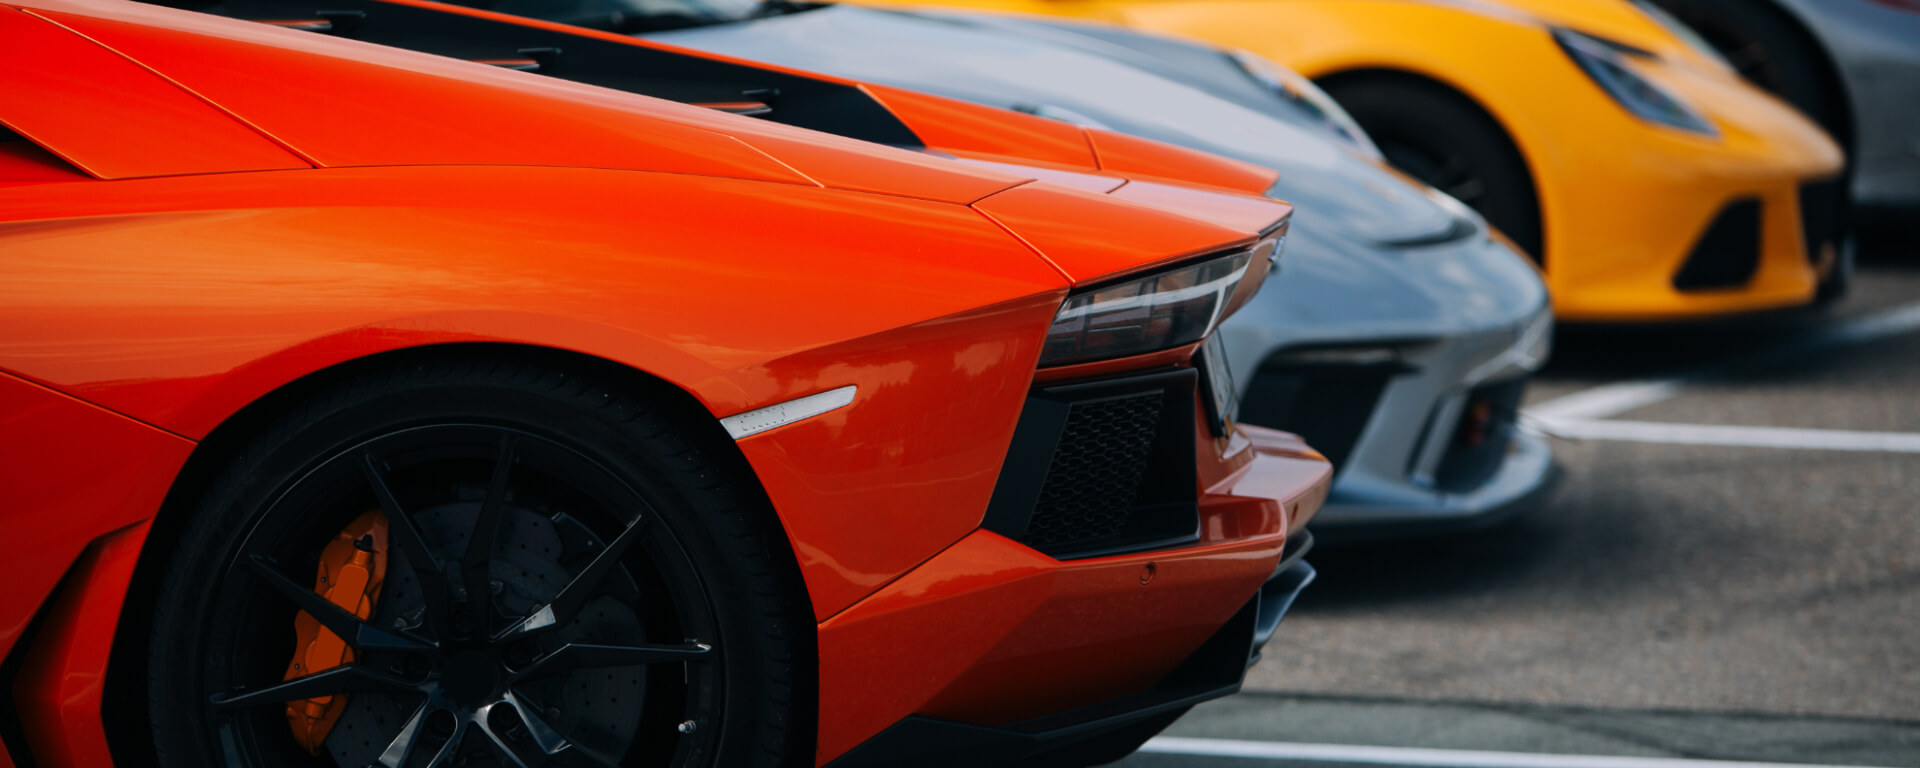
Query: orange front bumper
x=993, y=634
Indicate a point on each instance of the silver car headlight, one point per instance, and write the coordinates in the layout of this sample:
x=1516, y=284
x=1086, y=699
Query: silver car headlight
x=1301, y=92
x=1159, y=311
x=1605, y=62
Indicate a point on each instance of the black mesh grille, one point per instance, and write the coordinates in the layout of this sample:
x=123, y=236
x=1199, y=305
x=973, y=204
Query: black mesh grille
x=1102, y=466
x=1096, y=471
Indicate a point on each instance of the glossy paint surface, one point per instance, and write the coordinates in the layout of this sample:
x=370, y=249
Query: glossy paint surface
x=440, y=111
x=76, y=472
x=1082, y=244
x=63, y=680
x=1024, y=635
x=743, y=262
x=869, y=491
x=1134, y=155
x=168, y=132
x=1623, y=201
x=1172, y=91
x=1373, y=259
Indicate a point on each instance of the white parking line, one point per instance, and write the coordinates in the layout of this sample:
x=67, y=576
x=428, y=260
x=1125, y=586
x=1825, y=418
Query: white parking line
x=1718, y=434
x=1615, y=399
x=1608, y=400
x=1429, y=758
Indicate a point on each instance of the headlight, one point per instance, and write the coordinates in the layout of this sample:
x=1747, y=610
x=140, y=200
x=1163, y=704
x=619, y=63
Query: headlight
x=1302, y=93
x=1160, y=311
x=1606, y=64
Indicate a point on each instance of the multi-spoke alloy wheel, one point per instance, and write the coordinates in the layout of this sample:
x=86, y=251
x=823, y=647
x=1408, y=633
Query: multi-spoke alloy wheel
x=549, y=597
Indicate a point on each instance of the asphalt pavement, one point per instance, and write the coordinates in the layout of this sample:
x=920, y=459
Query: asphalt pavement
x=1703, y=585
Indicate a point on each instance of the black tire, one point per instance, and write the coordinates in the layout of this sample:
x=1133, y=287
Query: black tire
x=593, y=467
x=1771, y=51
x=1447, y=141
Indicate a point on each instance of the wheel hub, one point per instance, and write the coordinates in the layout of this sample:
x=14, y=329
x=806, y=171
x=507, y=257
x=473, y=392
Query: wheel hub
x=472, y=678
x=506, y=629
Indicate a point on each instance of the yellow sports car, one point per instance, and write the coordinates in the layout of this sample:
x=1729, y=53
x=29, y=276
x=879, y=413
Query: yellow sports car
x=1649, y=181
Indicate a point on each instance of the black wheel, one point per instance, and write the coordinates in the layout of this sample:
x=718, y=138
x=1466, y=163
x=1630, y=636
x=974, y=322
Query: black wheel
x=1445, y=140
x=551, y=572
x=1770, y=50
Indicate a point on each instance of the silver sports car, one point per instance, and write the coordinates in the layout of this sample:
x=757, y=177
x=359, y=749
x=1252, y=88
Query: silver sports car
x=1852, y=65
x=1403, y=330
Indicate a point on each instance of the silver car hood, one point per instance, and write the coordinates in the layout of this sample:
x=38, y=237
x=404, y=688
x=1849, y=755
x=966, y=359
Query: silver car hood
x=1049, y=69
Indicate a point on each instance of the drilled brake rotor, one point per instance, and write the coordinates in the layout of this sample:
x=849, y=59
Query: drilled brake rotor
x=534, y=557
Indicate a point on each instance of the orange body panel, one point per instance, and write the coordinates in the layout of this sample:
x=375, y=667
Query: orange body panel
x=461, y=271
x=868, y=492
x=80, y=479
x=175, y=132
x=1021, y=634
x=63, y=680
x=332, y=130
x=744, y=262
x=1144, y=158
x=1056, y=222
x=85, y=464
x=961, y=126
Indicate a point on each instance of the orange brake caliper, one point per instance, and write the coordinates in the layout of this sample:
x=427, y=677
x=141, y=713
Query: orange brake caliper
x=352, y=568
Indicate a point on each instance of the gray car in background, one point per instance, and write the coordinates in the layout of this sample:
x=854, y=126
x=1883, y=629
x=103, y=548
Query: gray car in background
x=1401, y=330
x=1851, y=65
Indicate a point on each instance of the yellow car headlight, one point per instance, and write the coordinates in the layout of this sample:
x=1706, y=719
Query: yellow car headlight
x=1605, y=61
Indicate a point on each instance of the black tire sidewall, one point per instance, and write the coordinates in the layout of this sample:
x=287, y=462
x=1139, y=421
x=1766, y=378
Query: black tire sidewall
x=1405, y=111
x=1799, y=68
x=721, y=530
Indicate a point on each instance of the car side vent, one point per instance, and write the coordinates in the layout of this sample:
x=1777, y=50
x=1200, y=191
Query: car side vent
x=1102, y=467
x=1096, y=470
x=636, y=67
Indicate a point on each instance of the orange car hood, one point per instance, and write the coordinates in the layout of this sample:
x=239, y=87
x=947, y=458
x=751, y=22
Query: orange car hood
x=345, y=103
x=342, y=103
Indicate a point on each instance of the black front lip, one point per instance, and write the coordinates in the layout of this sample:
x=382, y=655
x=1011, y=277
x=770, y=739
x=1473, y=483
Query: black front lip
x=1104, y=732
x=1276, y=597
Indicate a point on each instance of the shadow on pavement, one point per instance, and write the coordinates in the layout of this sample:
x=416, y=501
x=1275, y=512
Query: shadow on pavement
x=1364, y=575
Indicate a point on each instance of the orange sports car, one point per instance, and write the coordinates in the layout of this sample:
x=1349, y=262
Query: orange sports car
x=370, y=407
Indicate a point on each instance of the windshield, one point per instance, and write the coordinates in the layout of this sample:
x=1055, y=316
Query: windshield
x=635, y=15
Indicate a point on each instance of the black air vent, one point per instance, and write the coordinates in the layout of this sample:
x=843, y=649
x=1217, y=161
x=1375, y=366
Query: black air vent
x=1728, y=254
x=802, y=101
x=1102, y=467
x=1096, y=470
x=1823, y=213
x=1326, y=396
